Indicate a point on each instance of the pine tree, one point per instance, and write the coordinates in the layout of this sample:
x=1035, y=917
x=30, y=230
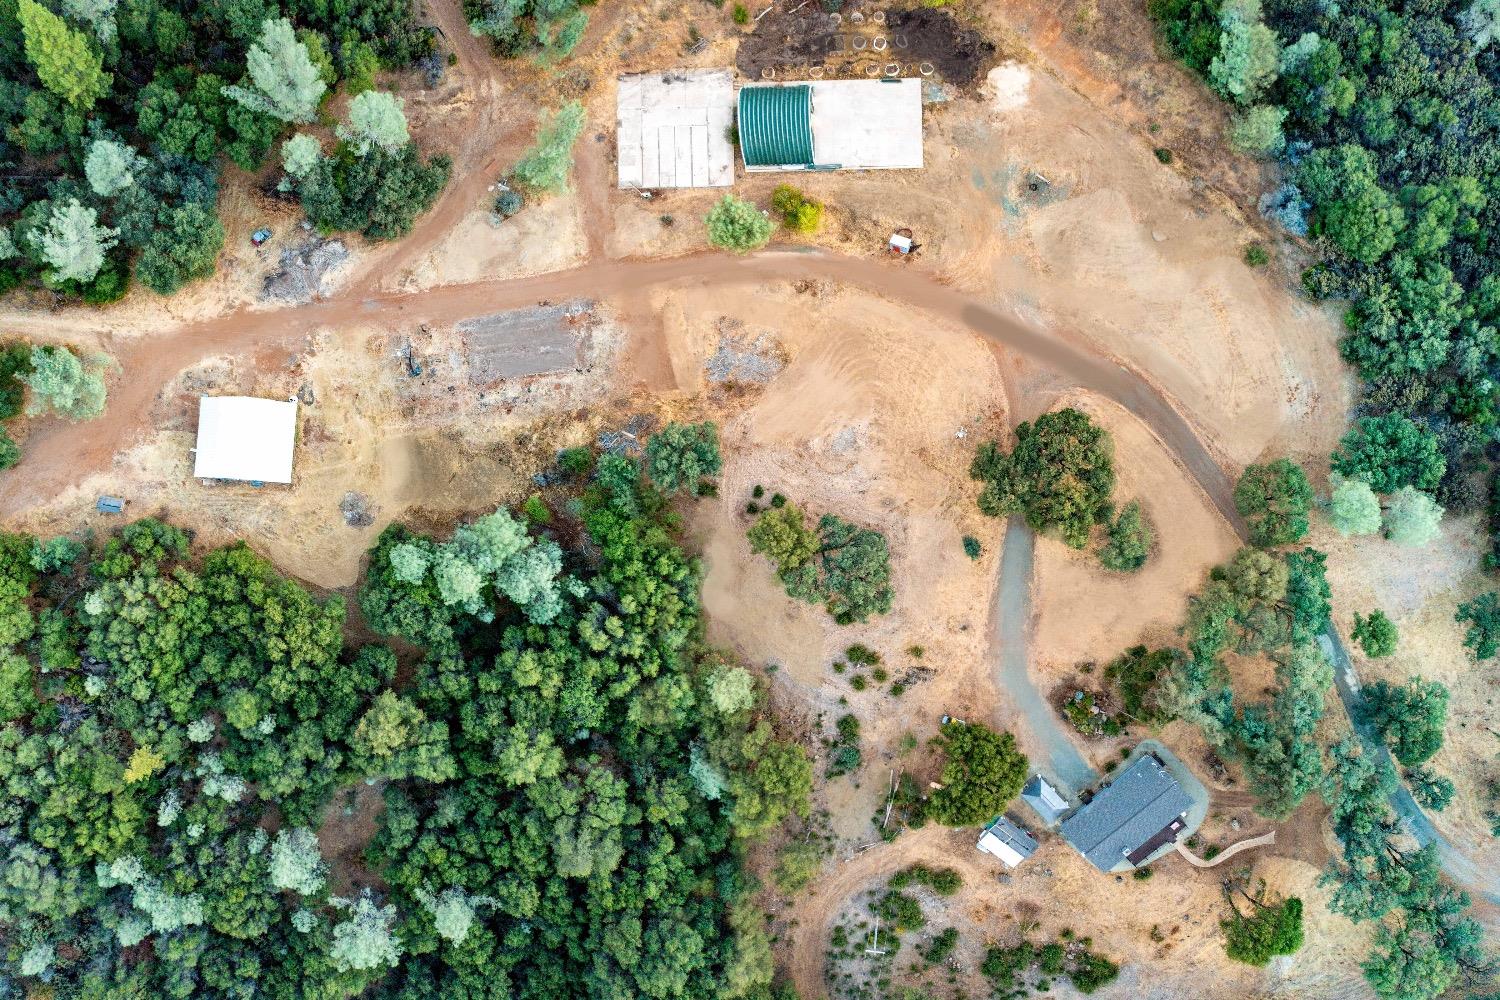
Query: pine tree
x=1413, y=518
x=545, y=166
x=737, y=225
x=296, y=863
x=110, y=167
x=366, y=940
x=64, y=60
x=97, y=14
x=1354, y=509
x=74, y=243
x=60, y=383
x=375, y=119
x=300, y=154
x=287, y=84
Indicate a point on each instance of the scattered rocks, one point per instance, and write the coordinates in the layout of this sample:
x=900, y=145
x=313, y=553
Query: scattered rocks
x=743, y=359
x=356, y=510
x=305, y=271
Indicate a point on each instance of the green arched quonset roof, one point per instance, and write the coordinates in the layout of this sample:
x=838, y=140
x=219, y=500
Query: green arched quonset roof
x=776, y=125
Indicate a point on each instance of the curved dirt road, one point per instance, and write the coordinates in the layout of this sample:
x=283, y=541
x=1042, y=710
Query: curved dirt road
x=61, y=454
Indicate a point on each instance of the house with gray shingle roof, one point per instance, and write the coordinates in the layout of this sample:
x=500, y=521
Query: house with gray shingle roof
x=1126, y=821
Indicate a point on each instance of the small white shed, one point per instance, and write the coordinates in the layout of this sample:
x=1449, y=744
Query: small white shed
x=246, y=439
x=1007, y=841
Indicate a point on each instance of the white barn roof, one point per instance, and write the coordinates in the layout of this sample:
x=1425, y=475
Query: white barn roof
x=868, y=124
x=672, y=129
x=243, y=438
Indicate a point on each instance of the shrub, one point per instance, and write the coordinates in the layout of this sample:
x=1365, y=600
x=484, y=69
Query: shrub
x=741, y=14
x=861, y=654
x=798, y=212
x=737, y=225
x=1128, y=541
x=903, y=912
x=1163, y=154
x=1256, y=256
x=1376, y=635
x=972, y=548
x=941, y=946
x=509, y=203
x=798, y=865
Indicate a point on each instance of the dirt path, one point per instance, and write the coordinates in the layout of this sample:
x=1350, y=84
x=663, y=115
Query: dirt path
x=61, y=454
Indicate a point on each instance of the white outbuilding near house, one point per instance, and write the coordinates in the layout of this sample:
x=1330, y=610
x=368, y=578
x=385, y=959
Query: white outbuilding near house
x=245, y=439
x=1007, y=841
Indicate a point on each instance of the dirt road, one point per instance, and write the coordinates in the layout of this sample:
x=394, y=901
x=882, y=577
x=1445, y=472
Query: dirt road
x=832, y=891
x=61, y=454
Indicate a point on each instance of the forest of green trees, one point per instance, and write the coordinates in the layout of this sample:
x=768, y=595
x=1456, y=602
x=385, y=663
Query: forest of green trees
x=570, y=776
x=118, y=118
x=1382, y=115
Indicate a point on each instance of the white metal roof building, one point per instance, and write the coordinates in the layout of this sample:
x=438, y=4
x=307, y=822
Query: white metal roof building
x=672, y=129
x=832, y=125
x=246, y=439
x=1007, y=841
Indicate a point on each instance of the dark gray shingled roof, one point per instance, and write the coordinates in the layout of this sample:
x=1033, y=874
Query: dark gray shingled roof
x=1135, y=807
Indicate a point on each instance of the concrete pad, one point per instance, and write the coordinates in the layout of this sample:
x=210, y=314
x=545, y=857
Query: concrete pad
x=867, y=124
x=671, y=129
x=523, y=342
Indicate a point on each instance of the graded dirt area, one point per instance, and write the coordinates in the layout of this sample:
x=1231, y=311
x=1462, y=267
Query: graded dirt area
x=863, y=422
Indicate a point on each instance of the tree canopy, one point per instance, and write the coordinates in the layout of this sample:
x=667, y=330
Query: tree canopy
x=842, y=566
x=1270, y=929
x=117, y=118
x=1409, y=717
x=1274, y=500
x=1375, y=633
x=1060, y=475
x=1390, y=452
x=982, y=772
x=566, y=795
x=680, y=455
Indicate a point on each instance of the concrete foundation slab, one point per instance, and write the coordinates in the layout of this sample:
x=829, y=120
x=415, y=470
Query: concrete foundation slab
x=672, y=129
